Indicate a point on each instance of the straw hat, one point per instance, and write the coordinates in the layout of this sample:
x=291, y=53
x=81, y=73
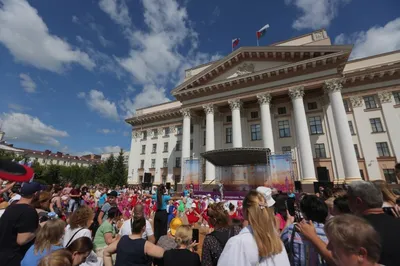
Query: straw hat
x=174, y=224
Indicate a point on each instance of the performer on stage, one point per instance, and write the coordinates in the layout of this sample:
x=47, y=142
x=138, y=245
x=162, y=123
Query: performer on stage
x=221, y=189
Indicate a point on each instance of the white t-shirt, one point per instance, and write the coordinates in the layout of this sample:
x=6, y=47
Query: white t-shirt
x=126, y=229
x=97, y=195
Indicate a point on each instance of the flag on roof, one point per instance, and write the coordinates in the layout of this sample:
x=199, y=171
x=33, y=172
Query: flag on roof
x=262, y=31
x=235, y=42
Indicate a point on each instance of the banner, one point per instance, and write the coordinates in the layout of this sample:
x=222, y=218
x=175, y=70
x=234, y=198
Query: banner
x=281, y=172
x=191, y=174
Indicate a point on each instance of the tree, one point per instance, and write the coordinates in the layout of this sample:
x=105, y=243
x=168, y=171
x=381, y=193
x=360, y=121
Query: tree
x=108, y=173
x=119, y=176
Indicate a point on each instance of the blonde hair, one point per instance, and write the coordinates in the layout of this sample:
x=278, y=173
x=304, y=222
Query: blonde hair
x=352, y=233
x=183, y=235
x=60, y=257
x=263, y=224
x=387, y=194
x=40, y=198
x=50, y=234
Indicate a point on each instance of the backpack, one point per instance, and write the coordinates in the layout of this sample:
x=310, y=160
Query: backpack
x=222, y=238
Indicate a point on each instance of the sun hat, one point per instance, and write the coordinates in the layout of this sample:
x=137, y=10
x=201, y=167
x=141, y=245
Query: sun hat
x=174, y=224
x=15, y=172
x=193, y=205
x=267, y=193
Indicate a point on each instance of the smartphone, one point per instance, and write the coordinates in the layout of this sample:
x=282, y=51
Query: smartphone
x=290, y=206
x=195, y=235
x=388, y=210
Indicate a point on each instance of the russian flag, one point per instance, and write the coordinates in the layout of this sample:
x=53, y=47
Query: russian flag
x=235, y=42
x=262, y=31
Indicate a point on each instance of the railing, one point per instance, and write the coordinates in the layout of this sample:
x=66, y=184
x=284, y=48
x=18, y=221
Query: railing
x=208, y=184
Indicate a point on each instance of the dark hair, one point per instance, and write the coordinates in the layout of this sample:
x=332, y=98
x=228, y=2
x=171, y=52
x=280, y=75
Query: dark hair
x=231, y=207
x=280, y=205
x=218, y=216
x=341, y=203
x=81, y=245
x=113, y=212
x=160, y=193
x=137, y=225
x=314, y=208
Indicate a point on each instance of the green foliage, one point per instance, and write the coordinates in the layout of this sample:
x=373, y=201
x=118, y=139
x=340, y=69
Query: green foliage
x=120, y=174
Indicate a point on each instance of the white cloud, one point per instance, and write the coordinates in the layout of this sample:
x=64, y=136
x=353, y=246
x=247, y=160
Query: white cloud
x=106, y=131
x=375, y=40
x=98, y=103
x=108, y=149
x=117, y=10
x=27, y=38
x=75, y=19
x=81, y=95
x=315, y=14
x=17, y=107
x=26, y=128
x=27, y=83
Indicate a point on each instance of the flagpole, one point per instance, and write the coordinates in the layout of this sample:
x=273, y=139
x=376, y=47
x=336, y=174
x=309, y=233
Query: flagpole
x=257, y=42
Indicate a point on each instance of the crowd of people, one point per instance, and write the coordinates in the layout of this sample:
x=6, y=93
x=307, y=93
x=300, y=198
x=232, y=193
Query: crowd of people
x=355, y=224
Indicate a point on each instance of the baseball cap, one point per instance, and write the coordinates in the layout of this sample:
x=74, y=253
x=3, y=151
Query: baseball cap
x=267, y=193
x=174, y=224
x=113, y=194
x=28, y=189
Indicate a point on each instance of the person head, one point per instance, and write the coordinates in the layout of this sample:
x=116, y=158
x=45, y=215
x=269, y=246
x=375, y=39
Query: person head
x=192, y=207
x=184, y=235
x=114, y=214
x=280, y=205
x=362, y=196
x=341, y=205
x=112, y=196
x=314, y=208
x=262, y=222
x=60, y=257
x=218, y=216
x=81, y=218
x=352, y=240
x=80, y=249
x=42, y=200
x=49, y=234
x=138, y=225
x=29, y=190
x=231, y=207
x=138, y=211
x=387, y=194
x=174, y=225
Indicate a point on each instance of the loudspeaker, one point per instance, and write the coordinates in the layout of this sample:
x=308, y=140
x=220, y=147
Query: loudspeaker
x=298, y=186
x=147, y=178
x=168, y=185
x=325, y=185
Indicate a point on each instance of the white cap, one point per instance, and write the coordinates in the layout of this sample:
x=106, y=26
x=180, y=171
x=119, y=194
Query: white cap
x=217, y=200
x=208, y=195
x=194, y=205
x=267, y=193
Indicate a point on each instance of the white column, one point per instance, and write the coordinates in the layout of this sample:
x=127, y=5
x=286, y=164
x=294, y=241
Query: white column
x=266, y=124
x=235, y=106
x=303, y=136
x=390, y=114
x=210, y=140
x=349, y=158
x=185, y=140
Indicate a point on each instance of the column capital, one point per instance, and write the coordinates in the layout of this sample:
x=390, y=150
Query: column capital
x=264, y=98
x=208, y=108
x=296, y=92
x=356, y=101
x=333, y=85
x=172, y=129
x=235, y=104
x=160, y=131
x=385, y=97
x=135, y=134
x=185, y=112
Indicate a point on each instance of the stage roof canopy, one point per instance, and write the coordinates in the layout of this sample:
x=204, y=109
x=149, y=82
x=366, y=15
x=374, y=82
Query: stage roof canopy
x=236, y=156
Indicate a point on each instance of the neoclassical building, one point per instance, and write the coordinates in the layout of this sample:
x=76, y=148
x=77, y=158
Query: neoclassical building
x=339, y=118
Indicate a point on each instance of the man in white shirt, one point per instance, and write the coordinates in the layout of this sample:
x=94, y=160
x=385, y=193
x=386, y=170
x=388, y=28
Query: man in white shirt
x=126, y=228
x=97, y=195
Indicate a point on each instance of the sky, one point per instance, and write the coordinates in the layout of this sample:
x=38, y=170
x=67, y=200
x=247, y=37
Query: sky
x=72, y=71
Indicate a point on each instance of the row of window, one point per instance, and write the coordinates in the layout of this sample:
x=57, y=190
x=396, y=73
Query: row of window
x=371, y=102
x=165, y=163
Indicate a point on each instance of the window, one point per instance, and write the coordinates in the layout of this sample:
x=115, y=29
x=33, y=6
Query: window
x=144, y=135
x=191, y=129
x=390, y=176
x=254, y=115
x=356, y=150
x=228, y=135
x=282, y=110
x=179, y=130
x=204, y=138
x=320, y=150
x=315, y=125
x=165, y=162
x=312, y=106
x=284, y=129
x=165, y=146
x=228, y=118
x=154, y=150
x=155, y=133
x=141, y=164
x=362, y=174
x=178, y=145
x=346, y=105
x=286, y=149
x=351, y=128
x=153, y=163
x=143, y=149
x=166, y=131
x=255, y=132
x=376, y=125
x=178, y=162
x=191, y=144
x=370, y=102
x=383, y=149
x=396, y=96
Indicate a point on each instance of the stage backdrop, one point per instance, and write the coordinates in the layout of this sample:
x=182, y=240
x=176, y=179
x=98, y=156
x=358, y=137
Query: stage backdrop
x=281, y=172
x=192, y=173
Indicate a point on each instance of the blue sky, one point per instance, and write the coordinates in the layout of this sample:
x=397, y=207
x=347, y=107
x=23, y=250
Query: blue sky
x=72, y=71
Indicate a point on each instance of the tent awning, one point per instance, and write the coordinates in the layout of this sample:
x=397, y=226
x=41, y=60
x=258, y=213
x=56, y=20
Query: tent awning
x=236, y=156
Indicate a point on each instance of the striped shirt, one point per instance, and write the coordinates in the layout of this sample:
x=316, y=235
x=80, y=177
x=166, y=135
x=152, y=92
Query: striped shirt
x=304, y=253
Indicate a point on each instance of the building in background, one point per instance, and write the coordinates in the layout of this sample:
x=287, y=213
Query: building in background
x=105, y=156
x=340, y=118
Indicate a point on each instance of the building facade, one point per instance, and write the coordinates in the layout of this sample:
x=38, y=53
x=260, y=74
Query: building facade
x=340, y=118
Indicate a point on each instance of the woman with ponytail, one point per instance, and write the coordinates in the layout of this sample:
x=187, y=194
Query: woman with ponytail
x=259, y=243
